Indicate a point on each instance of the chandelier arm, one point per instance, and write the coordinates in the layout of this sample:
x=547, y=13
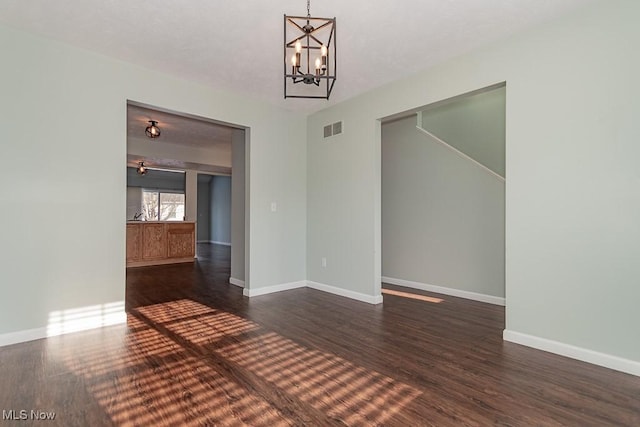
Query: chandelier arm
x=293, y=42
x=329, y=22
x=330, y=87
x=330, y=37
x=296, y=25
x=317, y=41
x=313, y=18
x=307, y=96
x=321, y=27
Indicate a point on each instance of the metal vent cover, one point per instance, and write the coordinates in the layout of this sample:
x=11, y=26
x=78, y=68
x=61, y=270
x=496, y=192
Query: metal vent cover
x=333, y=129
x=337, y=128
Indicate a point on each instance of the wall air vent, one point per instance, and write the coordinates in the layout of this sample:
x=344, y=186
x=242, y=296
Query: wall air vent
x=337, y=128
x=333, y=129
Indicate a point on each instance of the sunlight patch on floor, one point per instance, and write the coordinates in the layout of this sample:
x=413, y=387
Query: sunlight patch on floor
x=412, y=296
x=174, y=366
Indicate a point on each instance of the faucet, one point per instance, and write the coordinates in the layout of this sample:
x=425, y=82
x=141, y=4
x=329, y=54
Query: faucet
x=137, y=216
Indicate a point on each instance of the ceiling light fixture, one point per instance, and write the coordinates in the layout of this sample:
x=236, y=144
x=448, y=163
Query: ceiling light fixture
x=309, y=56
x=142, y=169
x=152, y=131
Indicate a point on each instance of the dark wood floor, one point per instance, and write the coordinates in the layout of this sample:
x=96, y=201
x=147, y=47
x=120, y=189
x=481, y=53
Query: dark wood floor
x=196, y=352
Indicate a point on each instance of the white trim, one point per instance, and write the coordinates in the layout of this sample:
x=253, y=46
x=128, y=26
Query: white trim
x=601, y=359
x=236, y=282
x=22, y=336
x=453, y=149
x=110, y=319
x=275, y=288
x=371, y=299
x=490, y=299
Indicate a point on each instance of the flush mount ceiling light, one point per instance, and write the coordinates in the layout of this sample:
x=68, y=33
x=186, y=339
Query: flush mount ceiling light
x=142, y=169
x=309, y=56
x=152, y=131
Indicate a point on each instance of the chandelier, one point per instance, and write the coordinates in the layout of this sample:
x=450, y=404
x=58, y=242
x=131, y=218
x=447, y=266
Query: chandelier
x=142, y=169
x=152, y=131
x=309, y=56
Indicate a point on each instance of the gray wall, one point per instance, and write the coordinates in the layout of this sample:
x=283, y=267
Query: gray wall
x=204, y=208
x=220, y=191
x=442, y=215
x=60, y=193
x=472, y=124
x=238, y=215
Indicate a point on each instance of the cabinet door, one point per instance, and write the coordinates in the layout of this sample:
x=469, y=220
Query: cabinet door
x=154, y=243
x=180, y=240
x=134, y=242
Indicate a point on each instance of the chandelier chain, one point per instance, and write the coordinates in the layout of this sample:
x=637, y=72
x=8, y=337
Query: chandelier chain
x=308, y=8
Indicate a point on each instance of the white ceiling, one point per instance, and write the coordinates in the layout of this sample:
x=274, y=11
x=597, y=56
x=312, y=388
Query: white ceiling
x=237, y=45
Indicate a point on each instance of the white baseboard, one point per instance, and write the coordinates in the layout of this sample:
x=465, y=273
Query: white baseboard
x=446, y=291
x=601, y=359
x=275, y=288
x=236, y=282
x=314, y=285
x=22, y=336
x=371, y=299
x=52, y=330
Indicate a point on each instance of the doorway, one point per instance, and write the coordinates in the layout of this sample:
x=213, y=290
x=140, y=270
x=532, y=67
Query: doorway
x=210, y=155
x=443, y=196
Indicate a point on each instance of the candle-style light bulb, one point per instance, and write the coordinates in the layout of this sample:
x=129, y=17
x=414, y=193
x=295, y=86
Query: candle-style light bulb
x=293, y=60
x=297, y=54
x=323, y=51
x=317, y=66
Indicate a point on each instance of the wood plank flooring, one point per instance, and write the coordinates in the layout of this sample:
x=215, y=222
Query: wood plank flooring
x=196, y=352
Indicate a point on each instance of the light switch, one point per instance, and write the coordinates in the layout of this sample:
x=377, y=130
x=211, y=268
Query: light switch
x=274, y=206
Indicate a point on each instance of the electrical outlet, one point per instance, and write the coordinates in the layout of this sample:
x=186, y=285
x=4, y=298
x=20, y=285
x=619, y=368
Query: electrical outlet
x=324, y=262
x=274, y=206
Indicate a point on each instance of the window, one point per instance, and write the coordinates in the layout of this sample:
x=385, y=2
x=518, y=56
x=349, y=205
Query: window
x=160, y=205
